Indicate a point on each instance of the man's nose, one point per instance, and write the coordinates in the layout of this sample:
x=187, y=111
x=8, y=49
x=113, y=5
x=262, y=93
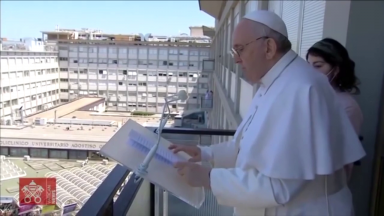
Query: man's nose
x=237, y=59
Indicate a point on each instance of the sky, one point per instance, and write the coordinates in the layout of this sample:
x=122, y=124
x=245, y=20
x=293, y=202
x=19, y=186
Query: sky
x=21, y=19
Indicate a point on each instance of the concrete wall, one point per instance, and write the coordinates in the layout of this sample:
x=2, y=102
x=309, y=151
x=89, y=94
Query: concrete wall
x=356, y=24
x=365, y=43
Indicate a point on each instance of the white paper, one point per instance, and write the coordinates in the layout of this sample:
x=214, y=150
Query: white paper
x=144, y=145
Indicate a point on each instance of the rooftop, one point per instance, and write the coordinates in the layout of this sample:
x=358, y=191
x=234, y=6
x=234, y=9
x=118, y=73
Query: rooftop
x=66, y=108
x=90, y=175
x=91, y=132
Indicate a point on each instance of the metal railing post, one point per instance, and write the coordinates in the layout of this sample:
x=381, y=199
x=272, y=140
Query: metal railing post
x=165, y=203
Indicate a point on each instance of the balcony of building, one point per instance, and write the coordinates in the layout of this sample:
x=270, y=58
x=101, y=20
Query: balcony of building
x=145, y=199
x=308, y=22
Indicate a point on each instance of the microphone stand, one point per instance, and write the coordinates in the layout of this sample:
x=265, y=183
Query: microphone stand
x=142, y=170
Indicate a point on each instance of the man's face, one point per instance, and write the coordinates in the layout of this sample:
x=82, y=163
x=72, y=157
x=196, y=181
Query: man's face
x=249, y=50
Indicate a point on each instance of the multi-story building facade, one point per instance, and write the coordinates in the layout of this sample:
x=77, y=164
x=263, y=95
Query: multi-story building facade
x=133, y=72
x=29, y=78
x=349, y=22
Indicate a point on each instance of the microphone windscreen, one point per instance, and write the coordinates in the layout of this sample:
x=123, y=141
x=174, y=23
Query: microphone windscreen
x=182, y=95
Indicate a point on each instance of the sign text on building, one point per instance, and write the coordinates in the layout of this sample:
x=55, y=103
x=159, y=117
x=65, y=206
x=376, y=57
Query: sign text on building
x=51, y=144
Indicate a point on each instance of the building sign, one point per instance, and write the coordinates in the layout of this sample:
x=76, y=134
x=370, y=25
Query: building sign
x=50, y=144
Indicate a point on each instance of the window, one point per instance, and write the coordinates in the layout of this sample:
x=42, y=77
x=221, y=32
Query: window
x=132, y=62
x=18, y=152
x=154, y=63
x=92, y=61
x=204, y=53
x=193, y=52
x=152, y=51
x=183, y=52
x=4, y=151
x=142, y=62
x=83, y=60
x=181, y=64
x=132, y=51
x=62, y=69
x=77, y=154
x=122, y=50
x=61, y=154
x=92, y=50
x=193, y=64
x=63, y=59
x=173, y=52
x=123, y=62
x=120, y=83
x=143, y=50
x=103, y=61
x=72, y=49
x=102, y=50
x=112, y=50
x=111, y=61
x=39, y=153
x=82, y=49
x=63, y=80
x=163, y=52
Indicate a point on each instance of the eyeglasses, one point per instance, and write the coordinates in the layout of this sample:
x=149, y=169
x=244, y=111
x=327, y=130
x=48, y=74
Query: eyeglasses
x=237, y=52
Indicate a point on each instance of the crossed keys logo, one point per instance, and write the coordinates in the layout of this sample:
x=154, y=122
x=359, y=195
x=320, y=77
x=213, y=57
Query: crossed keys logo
x=32, y=191
x=37, y=191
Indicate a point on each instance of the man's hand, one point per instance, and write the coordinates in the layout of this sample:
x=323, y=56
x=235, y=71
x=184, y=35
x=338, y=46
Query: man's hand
x=193, y=151
x=194, y=174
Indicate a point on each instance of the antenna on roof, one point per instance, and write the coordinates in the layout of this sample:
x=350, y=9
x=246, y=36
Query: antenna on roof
x=21, y=115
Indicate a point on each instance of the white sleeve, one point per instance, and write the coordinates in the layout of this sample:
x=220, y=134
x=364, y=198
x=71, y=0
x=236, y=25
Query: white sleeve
x=251, y=189
x=222, y=155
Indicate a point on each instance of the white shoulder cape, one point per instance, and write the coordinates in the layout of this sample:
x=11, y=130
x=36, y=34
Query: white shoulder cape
x=299, y=129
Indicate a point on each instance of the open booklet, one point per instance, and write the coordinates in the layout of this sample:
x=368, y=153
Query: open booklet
x=144, y=144
x=131, y=144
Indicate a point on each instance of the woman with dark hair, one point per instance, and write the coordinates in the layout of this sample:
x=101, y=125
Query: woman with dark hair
x=331, y=58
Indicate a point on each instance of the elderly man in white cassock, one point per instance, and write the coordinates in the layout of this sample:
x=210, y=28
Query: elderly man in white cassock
x=288, y=154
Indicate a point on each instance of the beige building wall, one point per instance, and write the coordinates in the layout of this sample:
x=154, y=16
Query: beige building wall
x=350, y=22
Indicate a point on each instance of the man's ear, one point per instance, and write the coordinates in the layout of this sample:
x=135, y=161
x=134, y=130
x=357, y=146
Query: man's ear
x=271, y=48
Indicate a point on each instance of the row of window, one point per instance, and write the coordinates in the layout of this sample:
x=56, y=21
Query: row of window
x=136, y=72
x=146, y=50
x=132, y=62
x=143, y=106
x=125, y=82
x=27, y=60
x=27, y=99
x=11, y=89
x=44, y=153
x=134, y=95
x=31, y=73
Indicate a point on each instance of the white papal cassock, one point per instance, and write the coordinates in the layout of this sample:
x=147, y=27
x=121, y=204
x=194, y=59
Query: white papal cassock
x=288, y=154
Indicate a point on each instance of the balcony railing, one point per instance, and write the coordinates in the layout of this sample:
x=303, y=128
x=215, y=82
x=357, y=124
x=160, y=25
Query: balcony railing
x=206, y=103
x=145, y=199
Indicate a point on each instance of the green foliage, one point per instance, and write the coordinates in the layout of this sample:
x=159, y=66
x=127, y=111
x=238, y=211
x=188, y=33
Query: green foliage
x=142, y=113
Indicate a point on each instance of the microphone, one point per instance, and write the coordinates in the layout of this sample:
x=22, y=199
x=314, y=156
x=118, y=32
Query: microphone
x=142, y=170
x=182, y=95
